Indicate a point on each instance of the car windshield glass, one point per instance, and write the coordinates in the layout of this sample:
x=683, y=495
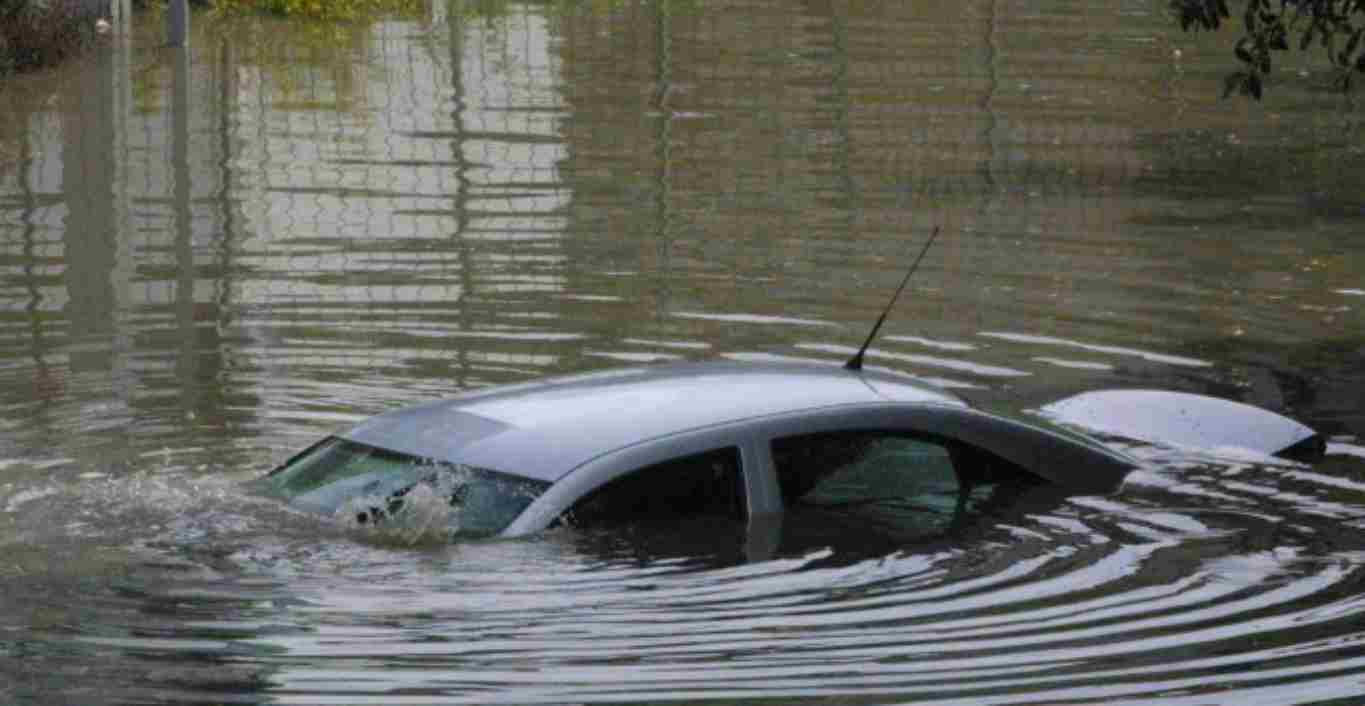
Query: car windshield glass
x=370, y=485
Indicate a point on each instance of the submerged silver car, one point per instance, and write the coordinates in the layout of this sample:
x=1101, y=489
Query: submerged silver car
x=733, y=440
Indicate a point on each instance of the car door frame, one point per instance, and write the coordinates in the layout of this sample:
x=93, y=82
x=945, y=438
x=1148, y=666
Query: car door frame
x=1081, y=465
x=617, y=463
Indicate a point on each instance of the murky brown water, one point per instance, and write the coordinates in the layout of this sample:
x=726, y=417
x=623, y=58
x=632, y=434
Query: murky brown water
x=208, y=259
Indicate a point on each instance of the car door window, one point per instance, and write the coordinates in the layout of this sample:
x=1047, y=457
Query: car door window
x=705, y=484
x=886, y=481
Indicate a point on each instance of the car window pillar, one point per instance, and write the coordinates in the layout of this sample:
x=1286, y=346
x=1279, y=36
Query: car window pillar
x=760, y=480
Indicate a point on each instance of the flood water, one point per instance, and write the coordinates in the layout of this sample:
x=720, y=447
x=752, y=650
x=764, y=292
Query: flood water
x=210, y=258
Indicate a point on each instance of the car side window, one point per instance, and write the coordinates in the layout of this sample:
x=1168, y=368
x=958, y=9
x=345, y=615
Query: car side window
x=905, y=483
x=705, y=484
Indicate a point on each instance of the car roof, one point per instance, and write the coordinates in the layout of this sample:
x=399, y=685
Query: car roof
x=546, y=428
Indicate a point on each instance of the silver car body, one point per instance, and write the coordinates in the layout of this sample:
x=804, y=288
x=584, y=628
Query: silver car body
x=581, y=432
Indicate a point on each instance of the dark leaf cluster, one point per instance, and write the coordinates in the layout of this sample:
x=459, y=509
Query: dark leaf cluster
x=41, y=32
x=1200, y=14
x=1268, y=26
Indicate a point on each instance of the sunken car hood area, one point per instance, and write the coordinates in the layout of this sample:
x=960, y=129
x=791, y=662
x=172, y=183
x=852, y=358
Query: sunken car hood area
x=546, y=428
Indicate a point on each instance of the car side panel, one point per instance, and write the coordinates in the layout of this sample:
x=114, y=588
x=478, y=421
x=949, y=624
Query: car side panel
x=1071, y=462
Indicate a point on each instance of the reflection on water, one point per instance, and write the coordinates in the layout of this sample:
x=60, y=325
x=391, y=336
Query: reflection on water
x=210, y=258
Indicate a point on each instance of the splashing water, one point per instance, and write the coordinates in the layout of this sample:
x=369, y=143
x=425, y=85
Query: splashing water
x=424, y=515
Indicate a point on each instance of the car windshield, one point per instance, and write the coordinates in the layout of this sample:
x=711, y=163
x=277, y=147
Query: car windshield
x=374, y=486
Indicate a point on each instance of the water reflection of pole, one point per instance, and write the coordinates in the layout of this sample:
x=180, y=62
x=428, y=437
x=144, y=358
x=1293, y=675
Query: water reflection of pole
x=32, y=276
x=460, y=199
x=663, y=197
x=227, y=221
x=226, y=226
x=990, y=204
x=178, y=23
x=90, y=132
x=842, y=120
x=187, y=363
x=119, y=17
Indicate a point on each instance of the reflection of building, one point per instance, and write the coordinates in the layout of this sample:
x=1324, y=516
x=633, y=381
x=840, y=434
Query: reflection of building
x=462, y=199
x=834, y=133
x=434, y=217
x=251, y=216
x=111, y=212
x=31, y=236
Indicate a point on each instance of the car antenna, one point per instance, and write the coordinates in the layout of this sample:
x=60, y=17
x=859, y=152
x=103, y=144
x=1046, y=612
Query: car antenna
x=856, y=362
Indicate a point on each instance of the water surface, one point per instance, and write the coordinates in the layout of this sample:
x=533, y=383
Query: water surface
x=210, y=258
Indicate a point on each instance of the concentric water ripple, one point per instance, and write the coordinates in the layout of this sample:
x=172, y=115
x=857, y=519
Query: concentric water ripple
x=1165, y=591
x=205, y=266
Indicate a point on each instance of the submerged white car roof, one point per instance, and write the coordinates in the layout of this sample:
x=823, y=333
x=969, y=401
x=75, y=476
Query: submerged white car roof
x=546, y=428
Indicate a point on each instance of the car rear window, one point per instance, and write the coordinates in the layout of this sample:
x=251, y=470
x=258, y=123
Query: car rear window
x=900, y=484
